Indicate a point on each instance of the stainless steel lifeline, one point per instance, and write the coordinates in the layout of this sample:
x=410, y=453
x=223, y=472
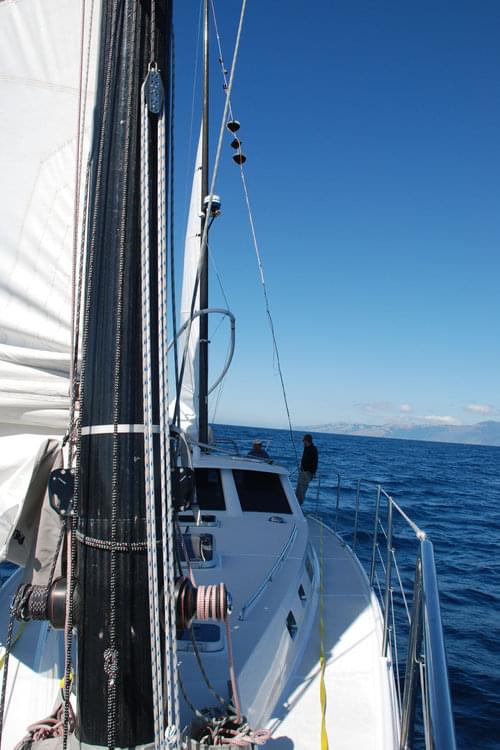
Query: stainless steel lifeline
x=426, y=667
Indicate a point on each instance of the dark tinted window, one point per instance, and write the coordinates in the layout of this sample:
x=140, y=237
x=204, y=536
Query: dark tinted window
x=261, y=492
x=209, y=489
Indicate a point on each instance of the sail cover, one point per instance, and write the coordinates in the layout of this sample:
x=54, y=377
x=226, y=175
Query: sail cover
x=190, y=347
x=39, y=112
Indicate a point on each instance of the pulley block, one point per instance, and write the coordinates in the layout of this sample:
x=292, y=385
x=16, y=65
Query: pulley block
x=62, y=491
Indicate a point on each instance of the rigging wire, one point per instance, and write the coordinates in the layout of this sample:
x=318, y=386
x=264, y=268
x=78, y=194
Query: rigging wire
x=255, y=244
x=75, y=421
x=171, y=212
x=208, y=207
x=80, y=130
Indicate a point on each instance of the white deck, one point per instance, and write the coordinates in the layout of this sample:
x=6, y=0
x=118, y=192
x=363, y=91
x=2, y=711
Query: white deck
x=360, y=713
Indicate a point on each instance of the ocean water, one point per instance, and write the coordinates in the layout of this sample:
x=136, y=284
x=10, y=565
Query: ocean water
x=452, y=492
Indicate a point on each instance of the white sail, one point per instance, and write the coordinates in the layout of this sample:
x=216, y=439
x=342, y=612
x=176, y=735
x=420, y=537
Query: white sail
x=190, y=383
x=39, y=112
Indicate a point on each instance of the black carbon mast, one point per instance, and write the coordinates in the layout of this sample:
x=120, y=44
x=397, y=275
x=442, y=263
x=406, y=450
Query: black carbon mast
x=114, y=685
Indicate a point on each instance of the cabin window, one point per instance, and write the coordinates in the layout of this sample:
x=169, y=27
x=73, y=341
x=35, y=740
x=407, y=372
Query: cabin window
x=302, y=594
x=260, y=492
x=209, y=489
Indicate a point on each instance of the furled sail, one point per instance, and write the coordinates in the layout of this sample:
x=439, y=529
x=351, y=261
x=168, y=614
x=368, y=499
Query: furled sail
x=190, y=346
x=40, y=105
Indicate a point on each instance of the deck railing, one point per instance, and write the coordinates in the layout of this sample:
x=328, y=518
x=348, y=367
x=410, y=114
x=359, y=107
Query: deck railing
x=426, y=672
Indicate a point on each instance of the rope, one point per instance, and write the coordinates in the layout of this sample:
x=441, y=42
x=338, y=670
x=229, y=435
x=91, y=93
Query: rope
x=256, y=247
x=322, y=660
x=52, y=726
x=232, y=674
x=82, y=112
x=153, y=587
x=5, y=664
x=167, y=511
x=5, y=655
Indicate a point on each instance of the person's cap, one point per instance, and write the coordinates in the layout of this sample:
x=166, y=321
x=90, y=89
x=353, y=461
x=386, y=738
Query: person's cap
x=308, y=437
x=257, y=442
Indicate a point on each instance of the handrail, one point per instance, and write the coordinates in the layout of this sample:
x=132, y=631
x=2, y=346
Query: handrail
x=441, y=716
x=269, y=576
x=206, y=312
x=426, y=656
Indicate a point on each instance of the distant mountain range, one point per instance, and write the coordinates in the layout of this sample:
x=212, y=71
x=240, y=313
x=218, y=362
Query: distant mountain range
x=482, y=433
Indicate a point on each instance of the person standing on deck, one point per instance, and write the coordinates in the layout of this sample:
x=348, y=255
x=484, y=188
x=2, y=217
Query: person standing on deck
x=308, y=467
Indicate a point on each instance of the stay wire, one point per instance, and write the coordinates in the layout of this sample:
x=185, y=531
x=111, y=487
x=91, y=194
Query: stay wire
x=256, y=246
x=208, y=209
x=171, y=196
x=81, y=120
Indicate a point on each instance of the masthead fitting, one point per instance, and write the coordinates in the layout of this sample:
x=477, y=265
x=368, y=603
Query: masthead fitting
x=233, y=126
x=215, y=205
x=239, y=158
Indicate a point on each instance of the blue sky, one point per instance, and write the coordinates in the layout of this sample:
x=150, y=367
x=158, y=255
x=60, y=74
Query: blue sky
x=372, y=136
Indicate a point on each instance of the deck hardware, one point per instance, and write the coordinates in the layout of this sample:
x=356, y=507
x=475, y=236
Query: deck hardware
x=182, y=487
x=291, y=625
x=62, y=491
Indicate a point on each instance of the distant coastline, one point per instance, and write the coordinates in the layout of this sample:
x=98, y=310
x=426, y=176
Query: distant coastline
x=482, y=433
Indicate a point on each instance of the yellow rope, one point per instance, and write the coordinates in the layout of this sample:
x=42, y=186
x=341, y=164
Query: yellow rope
x=19, y=634
x=322, y=660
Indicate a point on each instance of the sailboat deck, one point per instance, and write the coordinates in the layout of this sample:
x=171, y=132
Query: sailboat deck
x=357, y=679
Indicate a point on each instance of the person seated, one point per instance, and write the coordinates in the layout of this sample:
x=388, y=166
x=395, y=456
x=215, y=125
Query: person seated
x=258, y=451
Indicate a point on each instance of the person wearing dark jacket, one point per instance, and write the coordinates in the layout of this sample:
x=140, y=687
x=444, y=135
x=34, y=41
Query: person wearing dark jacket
x=308, y=467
